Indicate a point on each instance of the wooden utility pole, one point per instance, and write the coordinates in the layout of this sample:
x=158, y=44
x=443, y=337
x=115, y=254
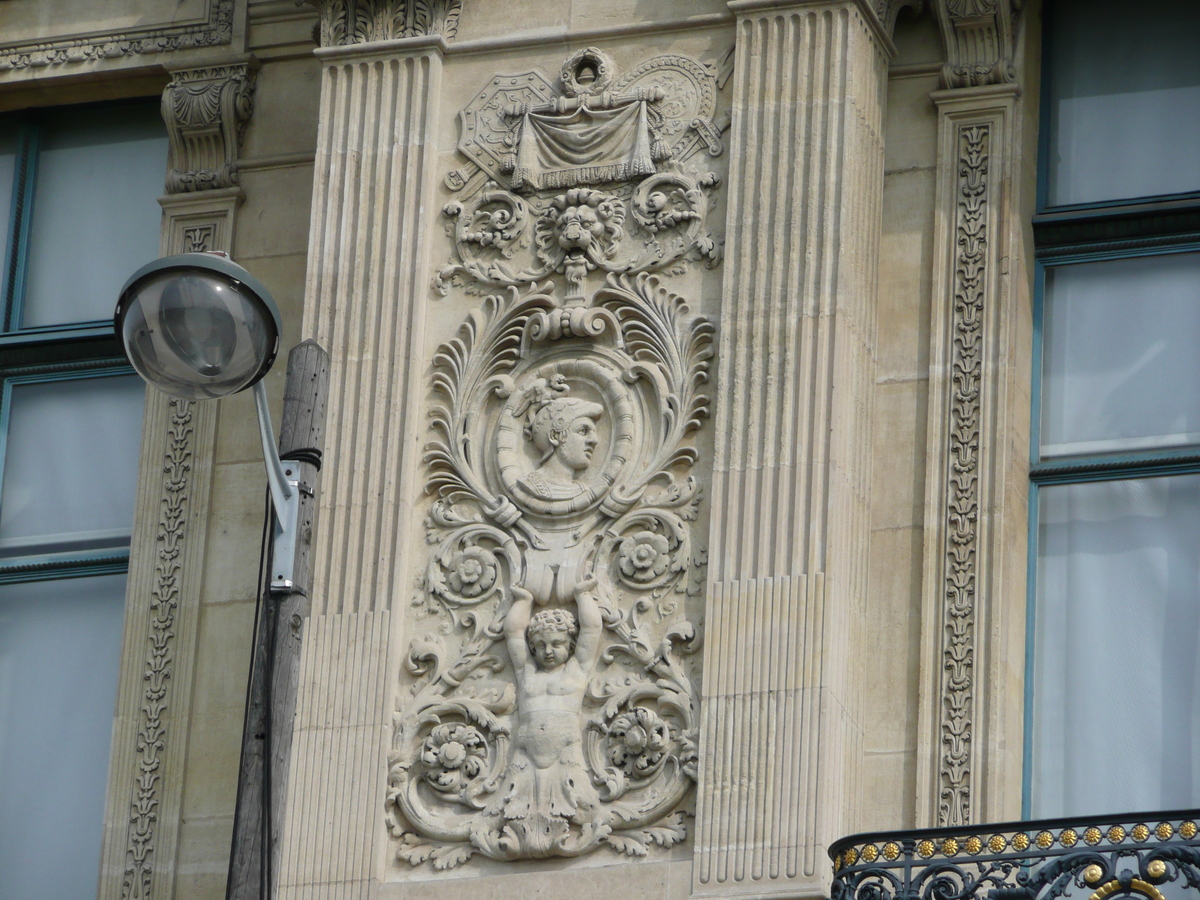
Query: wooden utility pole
x=275, y=665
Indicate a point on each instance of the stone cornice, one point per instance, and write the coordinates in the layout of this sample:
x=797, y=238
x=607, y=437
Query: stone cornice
x=979, y=38
x=165, y=38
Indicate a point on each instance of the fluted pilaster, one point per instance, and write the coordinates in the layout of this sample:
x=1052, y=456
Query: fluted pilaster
x=788, y=545
x=364, y=301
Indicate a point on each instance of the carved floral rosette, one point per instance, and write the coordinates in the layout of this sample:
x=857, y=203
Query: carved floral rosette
x=635, y=359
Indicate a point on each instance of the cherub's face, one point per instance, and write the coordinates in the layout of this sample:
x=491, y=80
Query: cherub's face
x=550, y=649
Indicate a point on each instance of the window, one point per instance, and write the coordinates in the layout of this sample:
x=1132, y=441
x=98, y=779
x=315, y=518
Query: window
x=1114, y=663
x=78, y=213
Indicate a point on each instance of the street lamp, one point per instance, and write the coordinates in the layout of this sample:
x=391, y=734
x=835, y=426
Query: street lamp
x=200, y=327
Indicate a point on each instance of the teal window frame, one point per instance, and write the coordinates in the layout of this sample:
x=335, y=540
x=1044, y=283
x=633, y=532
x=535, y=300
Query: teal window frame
x=70, y=351
x=1063, y=236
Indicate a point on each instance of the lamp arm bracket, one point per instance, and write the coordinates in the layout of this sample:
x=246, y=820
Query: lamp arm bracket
x=285, y=498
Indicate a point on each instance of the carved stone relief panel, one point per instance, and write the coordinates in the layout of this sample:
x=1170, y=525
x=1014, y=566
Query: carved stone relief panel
x=553, y=707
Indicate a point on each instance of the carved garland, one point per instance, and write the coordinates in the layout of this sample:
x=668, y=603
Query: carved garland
x=960, y=573
x=165, y=39
x=152, y=731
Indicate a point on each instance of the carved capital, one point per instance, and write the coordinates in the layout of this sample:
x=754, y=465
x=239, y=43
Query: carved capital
x=345, y=22
x=979, y=37
x=887, y=10
x=206, y=111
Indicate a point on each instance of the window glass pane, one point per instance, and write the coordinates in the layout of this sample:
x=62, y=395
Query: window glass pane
x=8, y=161
x=1116, y=701
x=95, y=215
x=70, y=464
x=60, y=645
x=1120, y=367
x=1124, y=99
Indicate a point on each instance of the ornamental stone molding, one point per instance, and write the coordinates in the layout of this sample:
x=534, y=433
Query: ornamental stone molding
x=979, y=39
x=216, y=30
x=345, y=22
x=206, y=111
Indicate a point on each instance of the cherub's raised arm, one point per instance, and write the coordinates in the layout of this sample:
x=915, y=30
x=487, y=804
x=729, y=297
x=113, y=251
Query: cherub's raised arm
x=515, y=624
x=591, y=623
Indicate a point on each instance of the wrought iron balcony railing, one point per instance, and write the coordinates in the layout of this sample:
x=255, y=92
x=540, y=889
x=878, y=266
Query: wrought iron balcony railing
x=1152, y=856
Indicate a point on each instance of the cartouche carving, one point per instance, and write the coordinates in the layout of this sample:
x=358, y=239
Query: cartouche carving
x=597, y=175
x=554, y=709
x=561, y=531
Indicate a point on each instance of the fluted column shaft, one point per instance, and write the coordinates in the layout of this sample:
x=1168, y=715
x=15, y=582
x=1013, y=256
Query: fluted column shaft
x=789, y=540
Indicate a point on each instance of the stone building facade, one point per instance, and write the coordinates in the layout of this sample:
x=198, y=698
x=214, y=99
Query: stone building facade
x=675, y=509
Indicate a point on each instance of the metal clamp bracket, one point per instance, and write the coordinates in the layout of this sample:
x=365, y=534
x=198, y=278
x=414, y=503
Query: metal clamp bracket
x=285, y=499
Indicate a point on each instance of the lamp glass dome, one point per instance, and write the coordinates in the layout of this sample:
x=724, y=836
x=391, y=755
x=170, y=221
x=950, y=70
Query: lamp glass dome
x=193, y=329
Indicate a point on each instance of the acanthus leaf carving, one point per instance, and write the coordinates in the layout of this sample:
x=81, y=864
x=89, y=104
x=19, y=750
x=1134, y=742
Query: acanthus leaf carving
x=961, y=546
x=346, y=22
x=979, y=37
x=206, y=111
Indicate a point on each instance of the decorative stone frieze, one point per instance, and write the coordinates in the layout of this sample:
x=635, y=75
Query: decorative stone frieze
x=345, y=22
x=164, y=38
x=979, y=38
x=206, y=111
x=162, y=605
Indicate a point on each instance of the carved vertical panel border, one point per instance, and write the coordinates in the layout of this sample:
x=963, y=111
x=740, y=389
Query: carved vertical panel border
x=969, y=595
x=162, y=605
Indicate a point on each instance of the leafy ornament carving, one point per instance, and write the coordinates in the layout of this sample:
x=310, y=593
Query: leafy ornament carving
x=345, y=22
x=160, y=655
x=961, y=551
x=554, y=709
x=215, y=31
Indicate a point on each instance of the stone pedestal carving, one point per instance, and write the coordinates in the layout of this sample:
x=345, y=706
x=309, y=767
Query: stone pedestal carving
x=788, y=544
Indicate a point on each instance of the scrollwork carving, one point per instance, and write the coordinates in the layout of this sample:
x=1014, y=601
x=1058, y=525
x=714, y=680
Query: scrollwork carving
x=555, y=711
x=979, y=37
x=215, y=31
x=206, y=112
